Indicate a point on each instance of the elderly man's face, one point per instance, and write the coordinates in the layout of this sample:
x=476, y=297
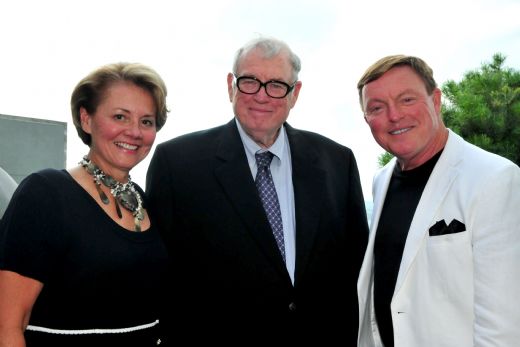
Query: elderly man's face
x=260, y=115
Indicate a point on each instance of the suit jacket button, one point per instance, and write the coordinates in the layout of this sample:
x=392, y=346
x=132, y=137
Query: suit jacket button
x=292, y=307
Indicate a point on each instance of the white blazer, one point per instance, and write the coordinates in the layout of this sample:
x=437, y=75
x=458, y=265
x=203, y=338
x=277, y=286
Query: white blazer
x=460, y=289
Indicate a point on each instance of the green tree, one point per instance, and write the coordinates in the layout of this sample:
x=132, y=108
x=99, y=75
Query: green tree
x=484, y=108
x=384, y=158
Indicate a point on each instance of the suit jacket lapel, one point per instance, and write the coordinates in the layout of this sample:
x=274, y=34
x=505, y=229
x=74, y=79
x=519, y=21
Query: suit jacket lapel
x=382, y=187
x=234, y=175
x=308, y=195
x=432, y=197
x=365, y=279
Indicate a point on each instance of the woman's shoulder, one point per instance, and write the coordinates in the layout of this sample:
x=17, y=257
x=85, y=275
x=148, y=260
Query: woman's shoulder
x=49, y=175
x=44, y=181
x=52, y=173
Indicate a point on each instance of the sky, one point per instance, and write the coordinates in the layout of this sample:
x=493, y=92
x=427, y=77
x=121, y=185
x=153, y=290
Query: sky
x=48, y=46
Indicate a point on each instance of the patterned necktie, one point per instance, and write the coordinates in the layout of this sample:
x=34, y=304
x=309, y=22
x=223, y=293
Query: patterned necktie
x=267, y=191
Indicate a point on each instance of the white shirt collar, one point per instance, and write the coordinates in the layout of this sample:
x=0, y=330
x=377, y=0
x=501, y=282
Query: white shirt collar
x=251, y=147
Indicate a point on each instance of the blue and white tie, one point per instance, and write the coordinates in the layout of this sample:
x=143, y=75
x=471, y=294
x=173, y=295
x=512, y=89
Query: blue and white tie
x=267, y=192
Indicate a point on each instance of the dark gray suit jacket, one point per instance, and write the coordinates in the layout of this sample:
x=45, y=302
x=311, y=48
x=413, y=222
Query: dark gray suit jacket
x=228, y=277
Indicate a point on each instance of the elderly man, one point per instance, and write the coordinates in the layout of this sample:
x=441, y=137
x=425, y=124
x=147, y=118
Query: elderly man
x=265, y=224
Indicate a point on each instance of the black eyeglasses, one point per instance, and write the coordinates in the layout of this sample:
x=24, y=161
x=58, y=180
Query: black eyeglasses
x=275, y=89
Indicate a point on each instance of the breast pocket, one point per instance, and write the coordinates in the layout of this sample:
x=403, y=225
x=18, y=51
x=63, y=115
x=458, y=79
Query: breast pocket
x=450, y=263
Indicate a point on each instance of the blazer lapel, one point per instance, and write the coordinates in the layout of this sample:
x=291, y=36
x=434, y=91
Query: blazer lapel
x=234, y=175
x=308, y=195
x=441, y=178
x=365, y=275
x=382, y=187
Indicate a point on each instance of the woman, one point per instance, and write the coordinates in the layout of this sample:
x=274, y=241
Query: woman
x=80, y=262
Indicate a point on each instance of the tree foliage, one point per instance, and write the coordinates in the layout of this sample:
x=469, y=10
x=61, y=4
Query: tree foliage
x=384, y=158
x=484, y=108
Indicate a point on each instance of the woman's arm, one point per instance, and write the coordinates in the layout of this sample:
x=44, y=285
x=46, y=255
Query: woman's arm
x=17, y=296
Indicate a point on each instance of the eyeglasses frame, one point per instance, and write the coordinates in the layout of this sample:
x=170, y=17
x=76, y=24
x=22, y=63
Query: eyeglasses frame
x=264, y=84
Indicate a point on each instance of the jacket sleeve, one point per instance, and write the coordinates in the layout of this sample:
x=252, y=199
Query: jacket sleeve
x=496, y=257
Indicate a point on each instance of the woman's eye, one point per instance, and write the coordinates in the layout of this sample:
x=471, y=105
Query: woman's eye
x=148, y=122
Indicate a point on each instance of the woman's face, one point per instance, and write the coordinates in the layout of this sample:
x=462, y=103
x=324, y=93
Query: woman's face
x=122, y=129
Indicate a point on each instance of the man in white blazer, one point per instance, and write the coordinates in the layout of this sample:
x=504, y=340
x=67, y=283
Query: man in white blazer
x=442, y=266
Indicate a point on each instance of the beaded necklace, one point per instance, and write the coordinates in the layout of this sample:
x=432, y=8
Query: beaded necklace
x=124, y=194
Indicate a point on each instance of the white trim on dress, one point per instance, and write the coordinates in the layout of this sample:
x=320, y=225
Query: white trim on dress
x=91, y=331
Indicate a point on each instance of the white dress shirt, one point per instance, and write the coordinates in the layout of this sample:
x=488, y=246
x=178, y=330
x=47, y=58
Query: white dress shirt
x=281, y=170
